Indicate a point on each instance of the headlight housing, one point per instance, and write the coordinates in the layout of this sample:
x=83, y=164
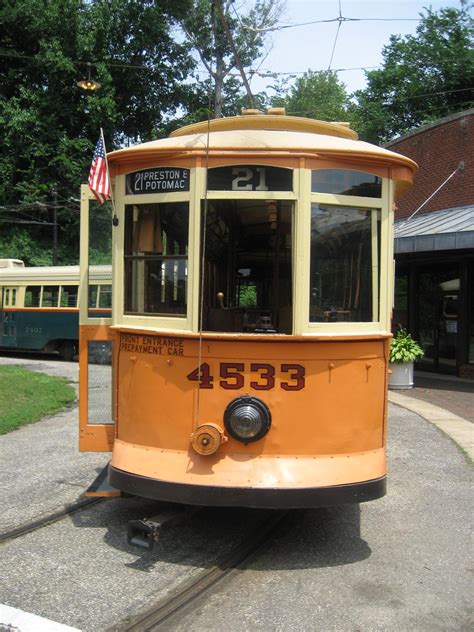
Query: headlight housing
x=247, y=419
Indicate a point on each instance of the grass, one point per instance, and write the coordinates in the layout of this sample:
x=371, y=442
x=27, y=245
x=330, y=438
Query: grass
x=26, y=396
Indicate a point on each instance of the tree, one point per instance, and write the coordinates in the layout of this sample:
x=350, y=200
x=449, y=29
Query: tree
x=424, y=77
x=318, y=95
x=226, y=42
x=49, y=126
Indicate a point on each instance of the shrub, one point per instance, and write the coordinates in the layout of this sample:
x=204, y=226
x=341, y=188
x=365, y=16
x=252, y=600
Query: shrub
x=404, y=349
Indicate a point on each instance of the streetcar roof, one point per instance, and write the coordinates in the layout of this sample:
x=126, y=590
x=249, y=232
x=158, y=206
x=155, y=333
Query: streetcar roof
x=53, y=274
x=267, y=133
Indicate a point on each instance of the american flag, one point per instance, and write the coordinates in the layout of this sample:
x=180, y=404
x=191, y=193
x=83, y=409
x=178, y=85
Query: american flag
x=99, y=182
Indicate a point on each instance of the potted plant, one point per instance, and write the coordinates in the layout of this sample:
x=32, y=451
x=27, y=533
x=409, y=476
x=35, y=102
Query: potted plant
x=403, y=353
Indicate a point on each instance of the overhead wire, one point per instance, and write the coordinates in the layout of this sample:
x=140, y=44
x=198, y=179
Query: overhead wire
x=340, y=19
x=114, y=64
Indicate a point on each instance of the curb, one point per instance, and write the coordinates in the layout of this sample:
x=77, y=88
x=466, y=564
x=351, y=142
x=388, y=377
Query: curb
x=457, y=428
x=16, y=620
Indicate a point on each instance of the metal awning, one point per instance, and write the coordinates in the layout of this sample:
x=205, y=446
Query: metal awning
x=449, y=229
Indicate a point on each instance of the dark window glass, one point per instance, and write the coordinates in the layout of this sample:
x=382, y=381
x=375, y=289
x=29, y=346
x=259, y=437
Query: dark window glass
x=13, y=301
x=346, y=182
x=341, y=287
x=50, y=296
x=400, y=307
x=250, y=178
x=248, y=266
x=32, y=296
x=437, y=296
x=470, y=319
x=156, y=255
x=105, y=296
x=92, y=296
x=69, y=296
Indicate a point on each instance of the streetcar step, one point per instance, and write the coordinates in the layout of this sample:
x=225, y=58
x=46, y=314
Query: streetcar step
x=101, y=487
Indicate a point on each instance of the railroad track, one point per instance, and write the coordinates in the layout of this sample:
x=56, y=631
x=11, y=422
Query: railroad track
x=55, y=516
x=176, y=604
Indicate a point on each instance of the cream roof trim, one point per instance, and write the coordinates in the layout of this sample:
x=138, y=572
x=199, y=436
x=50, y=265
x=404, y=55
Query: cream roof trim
x=262, y=140
x=50, y=274
x=269, y=122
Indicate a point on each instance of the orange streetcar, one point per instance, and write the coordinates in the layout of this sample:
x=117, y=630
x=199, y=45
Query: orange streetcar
x=252, y=271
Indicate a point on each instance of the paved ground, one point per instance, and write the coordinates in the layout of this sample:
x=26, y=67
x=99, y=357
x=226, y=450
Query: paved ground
x=400, y=563
x=454, y=395
x=42, y=468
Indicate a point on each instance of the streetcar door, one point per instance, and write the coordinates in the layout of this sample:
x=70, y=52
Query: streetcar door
x=96, y=341
x=8, y=329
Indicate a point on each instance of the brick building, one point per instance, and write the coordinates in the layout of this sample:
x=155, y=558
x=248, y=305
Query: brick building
x=434, y=249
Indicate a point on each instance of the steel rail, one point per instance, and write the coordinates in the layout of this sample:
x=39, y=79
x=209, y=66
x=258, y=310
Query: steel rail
x=34, y=525
x=180, y=599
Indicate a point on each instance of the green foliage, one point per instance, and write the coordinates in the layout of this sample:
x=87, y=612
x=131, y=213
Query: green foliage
x=424, y=77
x=49, y=126
x=26, y=397
x=404, y=349
x=248, y=297
x=318, y=95
x=22, y=245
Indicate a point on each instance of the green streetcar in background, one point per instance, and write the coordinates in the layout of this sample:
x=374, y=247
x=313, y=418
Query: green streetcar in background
x=39, y=306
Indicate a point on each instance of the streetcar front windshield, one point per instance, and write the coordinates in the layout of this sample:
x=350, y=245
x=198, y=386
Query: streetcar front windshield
x=247, y=258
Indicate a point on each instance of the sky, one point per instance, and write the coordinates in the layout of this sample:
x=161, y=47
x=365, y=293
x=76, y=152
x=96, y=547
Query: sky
x=358, y=44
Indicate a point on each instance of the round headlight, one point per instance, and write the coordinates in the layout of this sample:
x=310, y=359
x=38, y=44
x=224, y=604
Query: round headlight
x=247, y=419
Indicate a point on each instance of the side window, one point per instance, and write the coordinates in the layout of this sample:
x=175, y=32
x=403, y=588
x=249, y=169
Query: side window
x=93, y=293
x=13, y=299
x=105, y=296
x=156, y=258
x=69, y=296
x=50, y=296
x=7, y=297
x=344, y=264
x=32, y=296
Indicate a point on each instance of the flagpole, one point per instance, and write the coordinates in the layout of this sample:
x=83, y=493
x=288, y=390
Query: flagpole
x=115, y=218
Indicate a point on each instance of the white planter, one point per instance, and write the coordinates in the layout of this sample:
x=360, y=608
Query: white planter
x=401, y=376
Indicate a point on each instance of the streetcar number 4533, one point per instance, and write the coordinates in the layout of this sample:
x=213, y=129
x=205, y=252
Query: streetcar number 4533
x=233, y=376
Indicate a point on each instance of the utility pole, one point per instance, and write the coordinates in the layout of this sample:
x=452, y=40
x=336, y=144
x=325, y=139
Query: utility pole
x=55, y=226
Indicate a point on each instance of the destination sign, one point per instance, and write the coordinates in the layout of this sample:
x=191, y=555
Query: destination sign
x=250, y=178
x=159, y=180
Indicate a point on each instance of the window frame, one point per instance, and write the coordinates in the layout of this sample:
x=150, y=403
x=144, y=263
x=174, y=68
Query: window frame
x=381, y=277
x=153, y=257
x=302, y=198
x=122, y=199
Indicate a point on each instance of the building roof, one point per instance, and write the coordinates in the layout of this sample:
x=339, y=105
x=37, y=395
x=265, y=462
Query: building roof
x=449, y=229
x=432, y=125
